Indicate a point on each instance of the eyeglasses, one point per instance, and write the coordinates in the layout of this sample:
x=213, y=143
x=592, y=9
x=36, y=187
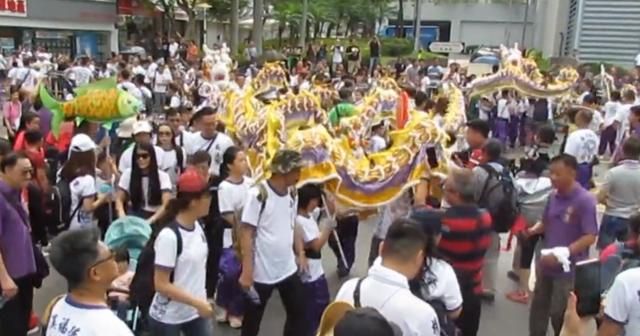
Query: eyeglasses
x=110, y=257
x=143, y=156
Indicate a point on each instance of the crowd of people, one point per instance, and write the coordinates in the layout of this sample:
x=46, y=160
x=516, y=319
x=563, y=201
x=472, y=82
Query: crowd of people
x=221, y=242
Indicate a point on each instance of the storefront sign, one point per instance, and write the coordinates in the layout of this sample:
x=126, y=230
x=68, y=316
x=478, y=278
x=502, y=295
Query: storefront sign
x=13, y=7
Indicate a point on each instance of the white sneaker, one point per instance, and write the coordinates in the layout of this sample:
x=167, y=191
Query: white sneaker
x=235, y=322
x=221, y=315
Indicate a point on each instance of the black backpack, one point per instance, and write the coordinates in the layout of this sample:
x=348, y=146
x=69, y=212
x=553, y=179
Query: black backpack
x=60, y=201
x=541, y=110
x=142, y=287
x=504, y=209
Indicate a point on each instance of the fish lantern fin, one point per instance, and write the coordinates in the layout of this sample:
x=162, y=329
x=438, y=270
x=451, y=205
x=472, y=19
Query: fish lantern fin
x=54, y=106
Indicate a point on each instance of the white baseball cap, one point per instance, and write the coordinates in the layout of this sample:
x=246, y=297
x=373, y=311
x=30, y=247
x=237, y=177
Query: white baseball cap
x=125, y=129
x=82, y=143
x=142, y=127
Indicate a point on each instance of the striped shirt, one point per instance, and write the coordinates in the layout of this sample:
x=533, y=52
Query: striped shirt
x=466, y=236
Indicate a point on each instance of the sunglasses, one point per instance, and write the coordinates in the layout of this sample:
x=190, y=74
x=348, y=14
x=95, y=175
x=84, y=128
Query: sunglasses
x=110, y=257
x=143, y=156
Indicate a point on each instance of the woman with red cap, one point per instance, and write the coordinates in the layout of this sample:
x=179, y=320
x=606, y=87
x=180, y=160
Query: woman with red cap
x=180, y=303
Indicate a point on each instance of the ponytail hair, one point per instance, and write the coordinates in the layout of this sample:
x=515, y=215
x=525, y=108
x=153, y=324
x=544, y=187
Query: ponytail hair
x=228, y=158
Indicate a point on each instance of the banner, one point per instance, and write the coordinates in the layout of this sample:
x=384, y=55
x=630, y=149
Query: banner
x=13, y=8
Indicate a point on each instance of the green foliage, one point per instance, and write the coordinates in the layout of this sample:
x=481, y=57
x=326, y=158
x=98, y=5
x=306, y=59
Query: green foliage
x=544, y=64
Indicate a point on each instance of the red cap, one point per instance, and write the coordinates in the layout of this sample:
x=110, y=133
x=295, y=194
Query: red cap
x=192, y=182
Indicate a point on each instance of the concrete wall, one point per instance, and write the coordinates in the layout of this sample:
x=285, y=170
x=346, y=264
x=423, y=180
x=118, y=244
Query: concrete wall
x=551, y=20
x=484, y=23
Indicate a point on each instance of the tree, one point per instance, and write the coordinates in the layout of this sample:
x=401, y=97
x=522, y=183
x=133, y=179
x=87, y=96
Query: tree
x=258, y=16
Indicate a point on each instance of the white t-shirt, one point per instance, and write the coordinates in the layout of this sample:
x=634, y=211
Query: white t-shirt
x=274, y=259
x=583, y=145
x=596, y=121
x=81, y=75
x=442, y=284
x=378, y=144
x=161, y=80
x=388, y=291
x=231, y=198
x=337, y=54
x=503, y=109
x=132, y=89
x=70, y=318
x=310, y=231
x=638, y=60
x=81, y=187
x=216, y=148
x=610, y=112
x=175, y=102
x=623, y=301
x=27, y=76
x=165, y=186
x=622, y=116
x=189, y=272
x=171, y=165
x=126, y=158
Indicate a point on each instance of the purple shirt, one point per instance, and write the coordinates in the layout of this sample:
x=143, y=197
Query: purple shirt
x=566, y=219
x=15, y=240
x=617, y=154
x=45, y=120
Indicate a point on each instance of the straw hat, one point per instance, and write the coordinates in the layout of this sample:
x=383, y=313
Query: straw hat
x=332, y=315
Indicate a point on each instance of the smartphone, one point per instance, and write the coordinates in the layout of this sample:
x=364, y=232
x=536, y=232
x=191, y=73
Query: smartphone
x=432, y=157
x=588, y=288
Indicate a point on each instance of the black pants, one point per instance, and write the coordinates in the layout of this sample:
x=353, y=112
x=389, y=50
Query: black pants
x=214, y=234
x=348, y=232
x=15, y=314
x=292, y=294
x=469, y=320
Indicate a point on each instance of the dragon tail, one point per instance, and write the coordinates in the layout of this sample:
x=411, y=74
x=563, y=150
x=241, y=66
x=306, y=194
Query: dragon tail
x=55, y=107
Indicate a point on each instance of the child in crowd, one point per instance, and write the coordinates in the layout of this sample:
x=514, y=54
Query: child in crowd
x=310, y=198
x=119, y=292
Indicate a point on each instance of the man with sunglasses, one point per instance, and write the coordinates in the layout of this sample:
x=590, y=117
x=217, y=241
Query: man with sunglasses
x=17, y=262
x=89, y=267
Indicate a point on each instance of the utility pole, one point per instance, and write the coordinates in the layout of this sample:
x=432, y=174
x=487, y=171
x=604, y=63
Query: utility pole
x=525, y=23
x=416, y=28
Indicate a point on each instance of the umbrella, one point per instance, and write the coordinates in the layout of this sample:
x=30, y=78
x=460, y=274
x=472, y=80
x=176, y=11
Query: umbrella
x=487, y=59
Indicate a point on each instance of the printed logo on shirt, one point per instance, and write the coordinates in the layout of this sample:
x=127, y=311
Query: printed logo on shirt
x=63, y=326
x=435, y=326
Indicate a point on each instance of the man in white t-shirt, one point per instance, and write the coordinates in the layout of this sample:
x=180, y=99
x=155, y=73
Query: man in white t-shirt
x=160, y=78
x=386, y=286
x=272, y=249
x=81, y=73
x=25, y=77
x=583, y=144
x=208, y=139
x=89, y=267
x=141, y=134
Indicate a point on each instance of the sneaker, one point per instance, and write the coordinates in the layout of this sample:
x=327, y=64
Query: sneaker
x=518, y=296
x=235, y=322
x=34, y=324
x=488, y=296
x=221, y=315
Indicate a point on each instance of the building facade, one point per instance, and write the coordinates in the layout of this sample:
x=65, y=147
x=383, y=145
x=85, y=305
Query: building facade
x=75, y=27
x=604, y=31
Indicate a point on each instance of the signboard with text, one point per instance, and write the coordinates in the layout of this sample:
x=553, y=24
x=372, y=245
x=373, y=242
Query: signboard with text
x=446, y=47
x=13, y=8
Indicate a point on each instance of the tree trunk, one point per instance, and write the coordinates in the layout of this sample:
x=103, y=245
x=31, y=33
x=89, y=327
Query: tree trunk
x=329, y=29
x=303, y=23
x=400, y=24
x=416, y=28
x=316, y=29
x=235, y=28
x=258, y=13
x=190, y=32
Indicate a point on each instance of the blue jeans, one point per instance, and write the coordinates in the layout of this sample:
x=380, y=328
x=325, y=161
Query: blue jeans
x=197, y=327
x=612, y=229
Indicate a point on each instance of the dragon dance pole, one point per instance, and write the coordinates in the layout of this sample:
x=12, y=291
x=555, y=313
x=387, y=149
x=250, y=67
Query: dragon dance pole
x=335, y=233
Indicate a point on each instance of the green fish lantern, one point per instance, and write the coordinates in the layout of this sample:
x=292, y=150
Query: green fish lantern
x=101, y=102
